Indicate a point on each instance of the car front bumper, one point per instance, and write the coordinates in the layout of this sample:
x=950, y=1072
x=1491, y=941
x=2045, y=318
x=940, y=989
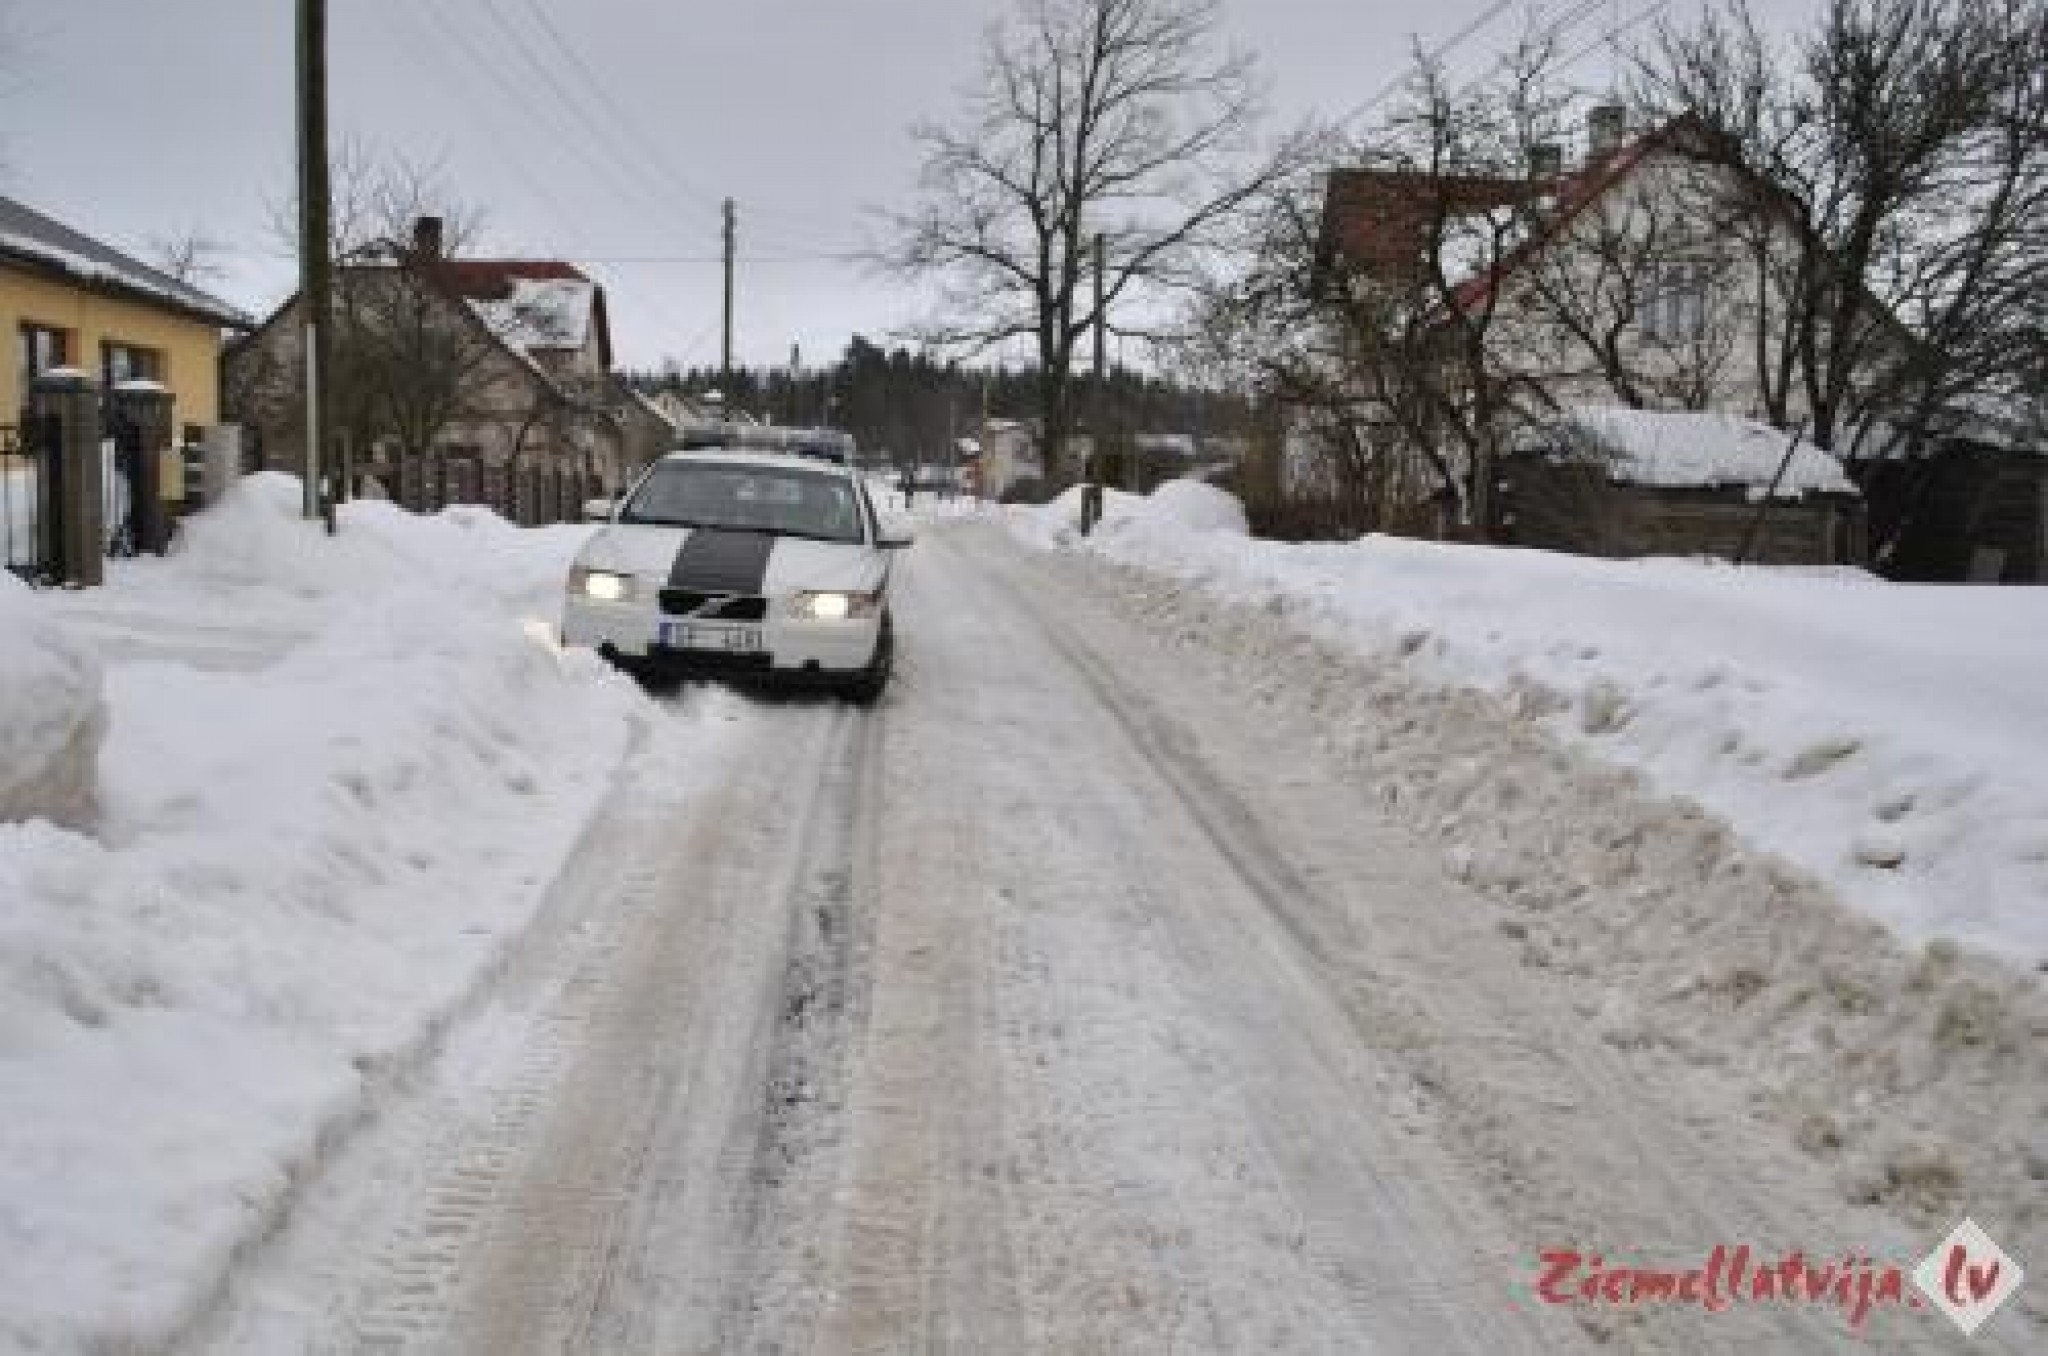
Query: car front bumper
x=790, y=649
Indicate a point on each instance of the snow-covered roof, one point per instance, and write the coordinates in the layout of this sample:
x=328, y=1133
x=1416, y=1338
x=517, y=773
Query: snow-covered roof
x=541, y=312
x=1166, y=444
x=28, y=235
x=652, y=406
x=2009, y=423
x=1699, y=449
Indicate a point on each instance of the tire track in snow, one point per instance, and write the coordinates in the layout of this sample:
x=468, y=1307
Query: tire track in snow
x=1583, y=1151
x=630, y=1228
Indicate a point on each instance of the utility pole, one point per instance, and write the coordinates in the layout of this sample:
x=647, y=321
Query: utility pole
x=1091, y=473
x=981, y=441
x=725, y=352
x=952, y=441
x=315, y=273
x=1098, y=443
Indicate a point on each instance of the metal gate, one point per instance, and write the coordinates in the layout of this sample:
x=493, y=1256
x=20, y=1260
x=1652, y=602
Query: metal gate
x=21, y=513
x=121, y=452
x=32, y=488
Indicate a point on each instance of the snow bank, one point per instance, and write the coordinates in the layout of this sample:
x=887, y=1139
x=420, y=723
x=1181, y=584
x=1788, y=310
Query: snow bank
x=1885, y=737
x=51, y=714
x=295, y=874
x=1199, y=506
x=1175, y=507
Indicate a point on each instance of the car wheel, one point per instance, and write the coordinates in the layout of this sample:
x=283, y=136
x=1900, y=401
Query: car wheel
x=867, y=688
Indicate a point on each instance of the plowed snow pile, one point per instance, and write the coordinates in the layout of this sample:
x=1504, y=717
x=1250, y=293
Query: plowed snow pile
x=1789, y=826
x=50, y=692
x=1885, y=737
x=293, y=870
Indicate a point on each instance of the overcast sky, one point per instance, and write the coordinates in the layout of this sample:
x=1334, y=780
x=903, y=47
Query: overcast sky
x=606, y=131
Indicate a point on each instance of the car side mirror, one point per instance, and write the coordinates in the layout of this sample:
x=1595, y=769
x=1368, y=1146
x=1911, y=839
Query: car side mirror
x=598, y=510
x=895, y=536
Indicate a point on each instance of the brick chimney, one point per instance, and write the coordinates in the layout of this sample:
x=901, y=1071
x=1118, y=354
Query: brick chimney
x=1606, y=124
x=426, y=238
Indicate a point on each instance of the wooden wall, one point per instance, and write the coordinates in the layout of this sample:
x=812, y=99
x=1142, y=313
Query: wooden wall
x=1967, y=514
x=1567, y=507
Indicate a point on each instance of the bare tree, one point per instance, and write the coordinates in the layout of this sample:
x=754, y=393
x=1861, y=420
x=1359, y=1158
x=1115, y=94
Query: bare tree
x=193, y=257
x=1110, y=121
x=1282, y=326
x=1893, y=169
x=409, y=356
x=1634, y=297
x=376, y=199
x=1367, y=304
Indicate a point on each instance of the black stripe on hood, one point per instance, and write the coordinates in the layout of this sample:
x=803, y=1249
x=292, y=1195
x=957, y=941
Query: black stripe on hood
x=721, y=560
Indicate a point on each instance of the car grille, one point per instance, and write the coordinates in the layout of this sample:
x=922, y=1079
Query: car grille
x=714, y=606
x=709, y=661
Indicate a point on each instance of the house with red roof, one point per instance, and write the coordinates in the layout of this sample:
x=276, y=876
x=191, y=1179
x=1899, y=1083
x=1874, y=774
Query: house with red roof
x=1647, y=278
x=1630, y=278
x=456, y=380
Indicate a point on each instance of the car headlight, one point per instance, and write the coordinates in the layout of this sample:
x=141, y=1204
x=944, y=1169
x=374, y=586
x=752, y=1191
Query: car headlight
x=603, y=586
x=833, y=605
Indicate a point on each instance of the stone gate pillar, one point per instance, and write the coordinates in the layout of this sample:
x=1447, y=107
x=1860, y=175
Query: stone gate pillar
x=141, y=418
x=64, y=407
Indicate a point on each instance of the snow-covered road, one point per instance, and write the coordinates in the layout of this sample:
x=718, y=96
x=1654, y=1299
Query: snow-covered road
x=1057, y=1004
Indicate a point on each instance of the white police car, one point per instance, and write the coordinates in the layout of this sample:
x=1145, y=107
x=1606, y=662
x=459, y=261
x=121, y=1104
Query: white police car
x=740, y=564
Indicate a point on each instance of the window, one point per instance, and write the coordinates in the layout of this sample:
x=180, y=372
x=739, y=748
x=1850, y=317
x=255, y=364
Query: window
x=42, y=348
x=121, y=362
x=1673, y=307
x=747, y=498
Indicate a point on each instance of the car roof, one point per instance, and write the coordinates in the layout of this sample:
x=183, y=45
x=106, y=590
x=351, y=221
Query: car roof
x=728, y=456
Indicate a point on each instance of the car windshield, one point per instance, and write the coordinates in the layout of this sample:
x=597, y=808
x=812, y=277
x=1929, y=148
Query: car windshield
x=783, y=500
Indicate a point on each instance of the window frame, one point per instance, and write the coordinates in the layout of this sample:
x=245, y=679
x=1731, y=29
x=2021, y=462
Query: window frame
x=156, y=363
x=26, y=355
x=1673, y=309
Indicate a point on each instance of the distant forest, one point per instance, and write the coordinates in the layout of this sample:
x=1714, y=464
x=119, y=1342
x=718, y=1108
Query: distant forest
x=904, y=404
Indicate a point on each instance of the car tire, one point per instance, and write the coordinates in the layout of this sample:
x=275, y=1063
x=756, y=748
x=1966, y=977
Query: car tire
x=867, y=688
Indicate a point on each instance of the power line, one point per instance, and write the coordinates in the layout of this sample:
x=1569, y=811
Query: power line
x=648, y=147
x=1556, y=28
x=1437, y=53
x=541, y=194
x=547, y=198
x=601, y=147
x=631, y=259
x=596, y=123
x=1613, y=35
x=598, y=133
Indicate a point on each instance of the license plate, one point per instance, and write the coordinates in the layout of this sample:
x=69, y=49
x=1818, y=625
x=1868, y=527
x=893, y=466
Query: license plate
x=725, y=639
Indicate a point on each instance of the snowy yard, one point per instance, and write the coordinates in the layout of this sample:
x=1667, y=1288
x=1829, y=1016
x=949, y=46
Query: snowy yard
x=335, y=777
x=1886, y=737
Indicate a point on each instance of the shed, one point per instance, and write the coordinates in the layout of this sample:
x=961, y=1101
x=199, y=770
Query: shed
x=1616, y=481
x=1972, y=509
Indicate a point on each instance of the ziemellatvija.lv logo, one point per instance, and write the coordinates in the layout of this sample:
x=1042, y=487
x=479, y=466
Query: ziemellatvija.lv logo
x=1968, y=1276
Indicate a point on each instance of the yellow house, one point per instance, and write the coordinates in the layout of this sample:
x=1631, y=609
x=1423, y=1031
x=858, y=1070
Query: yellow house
x=70, y=301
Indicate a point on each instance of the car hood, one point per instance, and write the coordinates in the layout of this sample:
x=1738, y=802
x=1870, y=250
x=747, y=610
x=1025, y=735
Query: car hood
x=792, y=562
